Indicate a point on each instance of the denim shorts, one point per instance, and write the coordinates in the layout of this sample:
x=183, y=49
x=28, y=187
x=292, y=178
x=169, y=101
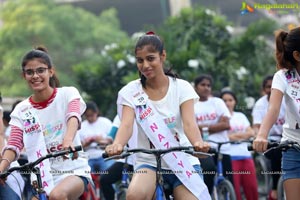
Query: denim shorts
x=85, y=182
x=169, y=177
x=291, y=163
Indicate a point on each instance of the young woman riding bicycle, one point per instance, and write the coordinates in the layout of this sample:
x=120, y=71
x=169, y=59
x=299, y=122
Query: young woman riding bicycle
x=47, y=121
x=162, y=106
x=286, y=83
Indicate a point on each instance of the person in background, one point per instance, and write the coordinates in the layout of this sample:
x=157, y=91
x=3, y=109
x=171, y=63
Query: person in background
x=93, y=135
x=212, y=117
x=115, y=171
x=161, y=99
x=285, y=88
x=241, y=158
x=259, y=111
x=48, y=121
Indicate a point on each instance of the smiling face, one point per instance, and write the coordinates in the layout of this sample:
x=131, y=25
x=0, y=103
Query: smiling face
x=150, y=62
x=37, y=75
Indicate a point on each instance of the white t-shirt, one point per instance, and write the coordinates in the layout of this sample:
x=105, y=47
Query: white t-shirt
x=288, y=82
x=100, y=127
x=260, y=110
x=239, y=123
x=168, y=107
x=208, y=113
x=52, y=121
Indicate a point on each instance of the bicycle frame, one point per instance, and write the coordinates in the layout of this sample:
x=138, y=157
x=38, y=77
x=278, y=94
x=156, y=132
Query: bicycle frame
x=158, y=153
x=220, y=177
x=220, y=180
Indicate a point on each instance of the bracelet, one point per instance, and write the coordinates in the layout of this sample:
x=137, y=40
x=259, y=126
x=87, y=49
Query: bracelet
x=6, y=160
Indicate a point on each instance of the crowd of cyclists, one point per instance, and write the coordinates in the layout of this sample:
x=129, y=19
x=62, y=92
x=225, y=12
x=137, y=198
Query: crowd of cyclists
x=158, y=110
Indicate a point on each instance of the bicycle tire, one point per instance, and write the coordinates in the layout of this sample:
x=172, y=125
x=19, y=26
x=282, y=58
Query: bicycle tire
x=264, y=179
x=280, y=189
x=225, y=191
x=121, y=195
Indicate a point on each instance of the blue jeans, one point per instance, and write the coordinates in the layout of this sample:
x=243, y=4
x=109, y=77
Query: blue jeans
x=290, y=164
x=7, y=193
x=98, y=165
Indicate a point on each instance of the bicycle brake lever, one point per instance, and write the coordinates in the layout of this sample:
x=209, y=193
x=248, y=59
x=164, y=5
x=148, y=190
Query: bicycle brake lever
x=267, y=152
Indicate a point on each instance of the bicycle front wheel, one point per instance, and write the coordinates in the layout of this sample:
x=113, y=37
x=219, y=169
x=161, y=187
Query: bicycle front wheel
x=280, y=189
x=225, y=191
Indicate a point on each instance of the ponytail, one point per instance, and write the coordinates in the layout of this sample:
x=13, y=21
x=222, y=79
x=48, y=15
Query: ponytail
x=280, y=36
x=286, y=44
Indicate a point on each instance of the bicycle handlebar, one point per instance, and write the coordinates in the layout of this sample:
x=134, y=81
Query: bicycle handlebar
x=189, y=150
x=229, y=142
x=269, y=146
x=277, y=145
x=29, y=166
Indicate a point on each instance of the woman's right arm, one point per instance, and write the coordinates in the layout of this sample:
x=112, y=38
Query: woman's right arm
x=12, y=150
x=124, y=132
x=261, y=142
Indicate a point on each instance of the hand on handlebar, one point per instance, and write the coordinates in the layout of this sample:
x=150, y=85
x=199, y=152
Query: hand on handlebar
x=114, y=149
x=260, y=144
x=202, y=147
x=69, y=145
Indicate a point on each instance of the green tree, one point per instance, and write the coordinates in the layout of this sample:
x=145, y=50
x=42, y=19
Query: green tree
x=104, y=75
x=239, y=61
x=72, y=35
x=198, y=34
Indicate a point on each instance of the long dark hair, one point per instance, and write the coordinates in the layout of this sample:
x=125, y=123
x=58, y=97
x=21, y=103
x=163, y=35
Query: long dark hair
x=156, y=45
x=42, y=55
x=286, y=44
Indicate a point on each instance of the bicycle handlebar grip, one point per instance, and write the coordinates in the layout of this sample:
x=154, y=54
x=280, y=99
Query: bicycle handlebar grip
x=212, y=150
x=270, y=145
x=3, y=175
x=105, y=155
x=77, y=148
x=250, y=147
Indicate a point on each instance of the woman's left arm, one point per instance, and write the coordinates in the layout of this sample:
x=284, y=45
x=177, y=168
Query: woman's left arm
x=190, y=126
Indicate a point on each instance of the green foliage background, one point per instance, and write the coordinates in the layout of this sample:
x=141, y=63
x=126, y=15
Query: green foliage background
x=94, y=54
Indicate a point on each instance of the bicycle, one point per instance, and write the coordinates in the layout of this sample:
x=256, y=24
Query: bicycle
x=264, y=179
x=159, y=190
x=121, y=188
x=30, y=167
x=93, y=191
x=283, y=146
x=223, y=188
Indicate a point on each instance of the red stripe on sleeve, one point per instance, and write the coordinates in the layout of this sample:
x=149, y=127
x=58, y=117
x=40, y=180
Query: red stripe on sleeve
x=16, y=137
